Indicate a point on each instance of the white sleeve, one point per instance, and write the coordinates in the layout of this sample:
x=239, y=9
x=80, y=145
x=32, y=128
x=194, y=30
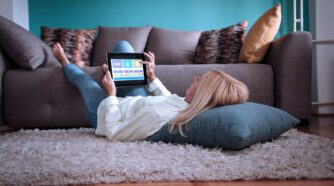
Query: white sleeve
x=107, y=112
x=143, y=124
x=111, y=124
x=157, y=88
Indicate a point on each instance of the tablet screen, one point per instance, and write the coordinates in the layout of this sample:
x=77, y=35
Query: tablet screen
x=126, y=69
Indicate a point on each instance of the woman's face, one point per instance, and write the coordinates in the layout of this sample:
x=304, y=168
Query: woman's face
x=190, y=93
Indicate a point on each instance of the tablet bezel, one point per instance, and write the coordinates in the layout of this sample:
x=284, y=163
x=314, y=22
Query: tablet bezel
x=127, y=56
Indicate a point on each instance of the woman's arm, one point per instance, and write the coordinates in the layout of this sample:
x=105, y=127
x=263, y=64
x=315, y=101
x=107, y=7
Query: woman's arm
x=150, y=65
x=107, y=112
x=112, y=125
x=155, y=86
x=108, y=83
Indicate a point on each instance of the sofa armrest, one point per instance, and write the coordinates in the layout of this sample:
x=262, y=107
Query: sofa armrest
x=5, y=64
x=291, y=59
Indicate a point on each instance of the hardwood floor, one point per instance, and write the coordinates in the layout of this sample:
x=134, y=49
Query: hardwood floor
x=319, y=125
x=234, y=183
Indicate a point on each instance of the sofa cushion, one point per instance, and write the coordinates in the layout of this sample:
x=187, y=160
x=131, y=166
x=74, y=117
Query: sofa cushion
x=46, y=98
x=233, y=127
x=77, y=43
x=172, y=46
x=221, y=46
x=59, y=104
x=26, y=50
x=260, y=36
x=109, y=36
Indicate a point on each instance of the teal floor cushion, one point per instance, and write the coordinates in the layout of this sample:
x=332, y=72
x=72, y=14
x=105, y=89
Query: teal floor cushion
x=232, y=127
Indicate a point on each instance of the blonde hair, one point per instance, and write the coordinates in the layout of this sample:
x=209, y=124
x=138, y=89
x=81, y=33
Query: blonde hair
x=215, y=89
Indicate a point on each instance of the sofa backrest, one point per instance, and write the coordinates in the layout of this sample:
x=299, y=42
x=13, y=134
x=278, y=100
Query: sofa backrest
x=169, y=46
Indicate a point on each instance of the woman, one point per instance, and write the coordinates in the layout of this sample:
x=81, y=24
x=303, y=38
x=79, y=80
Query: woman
x=136, y=118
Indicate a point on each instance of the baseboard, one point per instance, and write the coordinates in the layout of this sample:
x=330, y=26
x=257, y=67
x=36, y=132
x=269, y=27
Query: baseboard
x=5, y=128
x=322, y=108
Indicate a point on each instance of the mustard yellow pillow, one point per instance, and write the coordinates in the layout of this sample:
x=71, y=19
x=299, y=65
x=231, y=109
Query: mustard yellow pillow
x=260, y=36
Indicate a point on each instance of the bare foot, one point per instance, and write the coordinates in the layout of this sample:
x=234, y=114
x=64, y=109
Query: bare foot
x=59, y=53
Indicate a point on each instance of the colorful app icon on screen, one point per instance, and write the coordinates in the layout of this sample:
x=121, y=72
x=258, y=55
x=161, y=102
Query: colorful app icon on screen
x=127, y=63
x=116, y=63
x=137, y=64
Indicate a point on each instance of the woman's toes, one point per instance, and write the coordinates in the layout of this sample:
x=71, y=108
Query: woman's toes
x=59, y=53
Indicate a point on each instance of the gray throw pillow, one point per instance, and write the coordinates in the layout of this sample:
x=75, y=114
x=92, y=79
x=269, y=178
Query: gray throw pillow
x=108, y=36
x=25, y=49
x=173, y=46
x=233, y=127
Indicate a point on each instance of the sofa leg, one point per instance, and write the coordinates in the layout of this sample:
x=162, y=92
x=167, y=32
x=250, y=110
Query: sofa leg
x=303, y=123
x=5, y=128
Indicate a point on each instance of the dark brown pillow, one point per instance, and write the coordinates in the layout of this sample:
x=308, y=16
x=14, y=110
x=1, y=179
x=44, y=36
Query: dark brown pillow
x=220, y=46
x=77, y=43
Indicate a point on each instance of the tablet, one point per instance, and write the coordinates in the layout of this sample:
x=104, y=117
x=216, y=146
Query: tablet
x=126, y=69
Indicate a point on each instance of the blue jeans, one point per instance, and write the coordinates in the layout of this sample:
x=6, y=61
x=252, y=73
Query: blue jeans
x=91, y=91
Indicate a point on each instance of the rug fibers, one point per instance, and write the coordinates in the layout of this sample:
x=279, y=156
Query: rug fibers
x=77, y=156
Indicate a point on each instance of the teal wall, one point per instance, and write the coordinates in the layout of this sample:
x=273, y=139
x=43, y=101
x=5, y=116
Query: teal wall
x=170, y=14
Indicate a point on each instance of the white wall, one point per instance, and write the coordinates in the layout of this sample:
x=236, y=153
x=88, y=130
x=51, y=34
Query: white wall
x=16, y=10
x=6, y=8
x=322, y=28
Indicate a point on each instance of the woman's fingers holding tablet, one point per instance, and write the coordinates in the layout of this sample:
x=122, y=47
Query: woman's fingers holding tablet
x=150, y=65
x=109, y=84
x=149, y=57
x=152, y=55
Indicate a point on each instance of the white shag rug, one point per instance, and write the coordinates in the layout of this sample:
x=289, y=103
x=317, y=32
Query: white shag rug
x=77, y=156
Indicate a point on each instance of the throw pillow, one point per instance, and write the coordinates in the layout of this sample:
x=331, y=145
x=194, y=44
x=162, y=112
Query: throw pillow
x=172, y=46
x=109, y=36
x=220, y=46
x=231, y=127
x=260, y=36
x=25, y=49
x=77, y=43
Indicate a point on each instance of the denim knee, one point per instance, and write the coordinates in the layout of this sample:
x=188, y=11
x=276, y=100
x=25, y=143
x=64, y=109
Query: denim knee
x=123, y=47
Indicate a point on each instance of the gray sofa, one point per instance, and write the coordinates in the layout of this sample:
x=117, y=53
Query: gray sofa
x=43, y=98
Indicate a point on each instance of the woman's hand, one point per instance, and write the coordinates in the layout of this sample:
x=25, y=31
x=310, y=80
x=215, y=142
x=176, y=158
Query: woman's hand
x=109, y=84
x=150, y=65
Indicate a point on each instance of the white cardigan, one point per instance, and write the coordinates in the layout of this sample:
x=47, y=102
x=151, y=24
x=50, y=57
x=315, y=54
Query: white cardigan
x=136, y=118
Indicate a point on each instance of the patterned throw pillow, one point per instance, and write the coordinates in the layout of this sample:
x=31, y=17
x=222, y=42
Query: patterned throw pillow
x=77, y=43
x=220, y=46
